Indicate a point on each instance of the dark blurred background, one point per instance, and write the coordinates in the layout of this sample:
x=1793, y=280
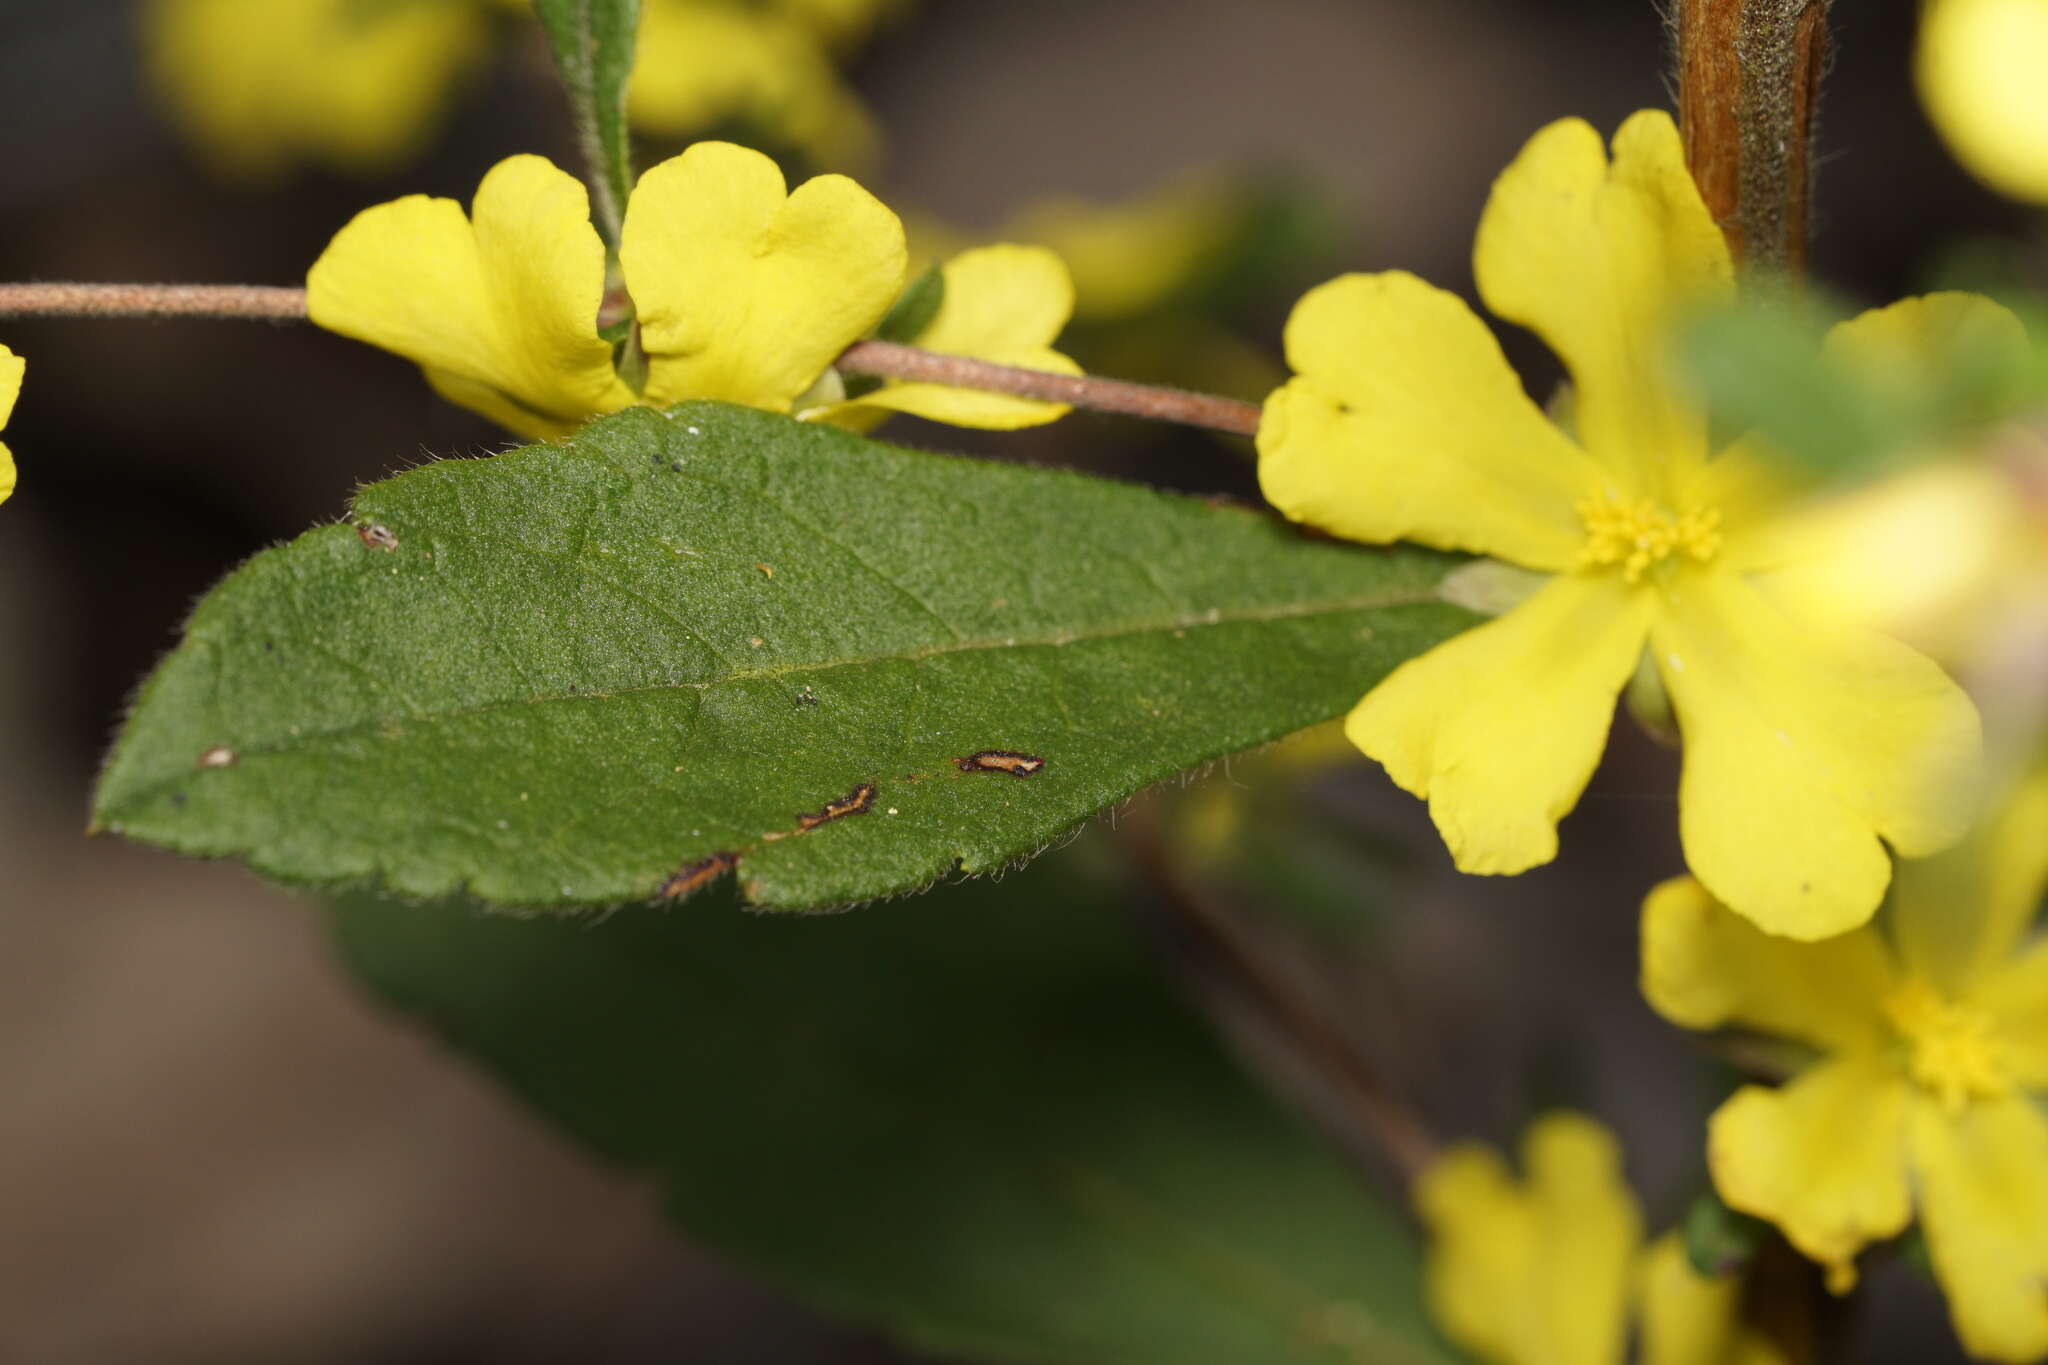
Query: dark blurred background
x=210, y=1148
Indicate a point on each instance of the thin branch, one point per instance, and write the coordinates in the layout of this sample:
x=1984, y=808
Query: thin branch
x=238, y=301
x=891, y=360
x=1322, y=1044
x=885, y=359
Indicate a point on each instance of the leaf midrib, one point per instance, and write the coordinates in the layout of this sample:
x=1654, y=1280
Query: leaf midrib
x=1201, y=621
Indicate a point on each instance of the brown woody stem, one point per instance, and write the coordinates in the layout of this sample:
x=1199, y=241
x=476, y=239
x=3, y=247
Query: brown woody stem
x=885, y=359
x=1748, y=85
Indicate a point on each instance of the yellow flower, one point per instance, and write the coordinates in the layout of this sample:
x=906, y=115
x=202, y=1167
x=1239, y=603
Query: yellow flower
x=1006, y=304
x=840, y=22
x=1129, y=257
x=1808, y=744
x=1979, y=66
x=11, y=367
x=1546, y=1270
x=1932, y=1038
x=702, y=62
x=260, y=84
x=744, y=291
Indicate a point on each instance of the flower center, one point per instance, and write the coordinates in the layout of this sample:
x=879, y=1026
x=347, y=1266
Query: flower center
x=1953, y=1050
x=1637, y=533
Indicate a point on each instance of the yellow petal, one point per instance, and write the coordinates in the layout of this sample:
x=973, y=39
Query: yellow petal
x=1983, y=1180
x=508, y=301
x=1704, y=967
x=1500, y=728
x=1693, y=1319
x=1824, y=1157
x=1598, y=259
x=1958, y=917
x=1004, y=304
x=489, y=402
x=747, y=293
x=1804, y=747
x=11, y=367
x=1979, y=70
x=2001, y=895
x=1405, y=423
x=1535, y=1273
x=1902, y=342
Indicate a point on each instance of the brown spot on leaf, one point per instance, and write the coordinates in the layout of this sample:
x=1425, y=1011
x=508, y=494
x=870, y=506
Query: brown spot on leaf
x=376, y=536
x=855, y=802
x=693, y=877
x=219, y=756
x=1000, y=761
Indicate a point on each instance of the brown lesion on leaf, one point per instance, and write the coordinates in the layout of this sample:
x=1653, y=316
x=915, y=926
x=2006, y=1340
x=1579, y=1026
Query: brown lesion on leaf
x=219, y=756
x=1000, y=761
x=377, y=536
x=855, y=802
x=693, y=877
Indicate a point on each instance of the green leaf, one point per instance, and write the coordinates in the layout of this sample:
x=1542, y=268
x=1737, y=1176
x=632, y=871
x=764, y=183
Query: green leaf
x=1762, y=369
x=977, y=1119
x=591, y=672
x=1718, y=1240
x=914, y=311
x=593, y=45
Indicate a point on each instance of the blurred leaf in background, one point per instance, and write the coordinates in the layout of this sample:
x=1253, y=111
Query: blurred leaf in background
x=976, y=1118
x=1921, y=375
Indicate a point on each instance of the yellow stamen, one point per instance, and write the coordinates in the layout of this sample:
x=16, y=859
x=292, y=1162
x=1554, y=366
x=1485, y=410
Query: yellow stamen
x=1953, y=1050
x=1639, y=533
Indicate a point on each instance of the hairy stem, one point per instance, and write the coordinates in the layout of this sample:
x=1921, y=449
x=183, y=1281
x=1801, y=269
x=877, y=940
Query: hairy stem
x=153, y=301
x=885, y=359
x=1748, y=85
x=891, y=360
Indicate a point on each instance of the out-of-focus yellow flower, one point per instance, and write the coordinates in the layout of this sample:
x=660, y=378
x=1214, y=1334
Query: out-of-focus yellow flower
x=840, y=22
x=1005, y=304
x=1933, y=1043
x=1979, y=65
x=701, y=63
x=743, y=291
x=1808, y=744
x=1973, y=540
x=11, y=368
x=1129, y=257
x=1548, y=1269
x=262, y=84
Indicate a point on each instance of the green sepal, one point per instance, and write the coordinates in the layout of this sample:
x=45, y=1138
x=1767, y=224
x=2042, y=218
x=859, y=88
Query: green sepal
x=915, y=309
